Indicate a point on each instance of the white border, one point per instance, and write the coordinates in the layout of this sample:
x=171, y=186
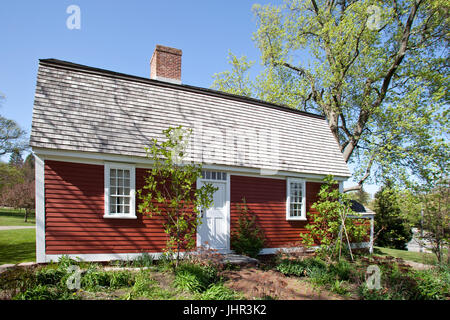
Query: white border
x=40, y=208
x=143, y=162
x=157, y=255
x=132, y=168
x=227, y=209
x=288, y=199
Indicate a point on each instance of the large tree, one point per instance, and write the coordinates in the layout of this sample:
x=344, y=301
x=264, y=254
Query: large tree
x=378, y=70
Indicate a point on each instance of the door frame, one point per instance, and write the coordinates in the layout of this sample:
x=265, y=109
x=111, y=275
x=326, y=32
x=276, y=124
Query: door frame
x=227, y=209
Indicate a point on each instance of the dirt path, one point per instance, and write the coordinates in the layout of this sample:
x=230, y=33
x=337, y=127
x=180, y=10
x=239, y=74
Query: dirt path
x=257, y=283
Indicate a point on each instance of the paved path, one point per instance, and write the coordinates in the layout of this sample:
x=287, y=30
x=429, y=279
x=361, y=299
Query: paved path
x=16, y=227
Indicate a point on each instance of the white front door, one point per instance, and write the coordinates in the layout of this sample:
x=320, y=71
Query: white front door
x=213, y=232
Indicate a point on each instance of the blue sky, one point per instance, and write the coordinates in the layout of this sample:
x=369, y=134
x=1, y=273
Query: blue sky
x=119, y=36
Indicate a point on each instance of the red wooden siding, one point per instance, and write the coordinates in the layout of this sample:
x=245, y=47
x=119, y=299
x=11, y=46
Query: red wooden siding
x=266, y=198
x=74, y=209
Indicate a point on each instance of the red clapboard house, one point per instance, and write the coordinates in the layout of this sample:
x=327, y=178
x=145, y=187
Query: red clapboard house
x=89, y=130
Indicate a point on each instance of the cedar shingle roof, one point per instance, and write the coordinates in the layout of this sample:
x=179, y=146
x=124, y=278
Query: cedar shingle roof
x=79, y=108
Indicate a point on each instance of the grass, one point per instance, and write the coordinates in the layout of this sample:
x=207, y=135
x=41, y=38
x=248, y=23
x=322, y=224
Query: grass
x=15, y=217
x=420, y=257
x=17, y=246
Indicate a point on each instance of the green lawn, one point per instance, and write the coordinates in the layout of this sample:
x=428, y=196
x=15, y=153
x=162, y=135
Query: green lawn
x=421, y=257
x=11, y=217
x=17, y=246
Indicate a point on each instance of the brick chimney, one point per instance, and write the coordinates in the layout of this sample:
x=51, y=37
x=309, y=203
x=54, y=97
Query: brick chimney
x=165, y=64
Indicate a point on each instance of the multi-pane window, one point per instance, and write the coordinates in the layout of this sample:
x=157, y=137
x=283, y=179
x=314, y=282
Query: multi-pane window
x=295, y=206
x=214, y=175
x=119, y=191
x=119, y=186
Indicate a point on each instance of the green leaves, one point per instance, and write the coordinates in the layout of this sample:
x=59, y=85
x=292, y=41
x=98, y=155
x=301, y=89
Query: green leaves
x=383, y=89
x=170, y=189
x=332, y=211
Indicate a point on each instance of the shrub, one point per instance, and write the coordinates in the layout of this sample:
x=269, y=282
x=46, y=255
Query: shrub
x=119, y=279
x=65, y=261
x=195, y=278
x=50, y=276
x=341, y=269
x=39, y=292
x=400, y=283
x=218, y=292
x=338, y=287
x=291, y=267
x=44, y=292
x=143, y=260
x=305, y=267
x=146, y=286
x=248, y=238
x=430, y=286
x=325, y=228
x=94, y=279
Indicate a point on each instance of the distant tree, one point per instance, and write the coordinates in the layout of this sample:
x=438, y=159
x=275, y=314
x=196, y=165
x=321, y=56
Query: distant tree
x=15, y=159
x=391, y=228
x=361, y=196
x=436, y=218
x=17, y=184
x=9, y=175
x=20, y=196
x=11, y=135
x=28, y=168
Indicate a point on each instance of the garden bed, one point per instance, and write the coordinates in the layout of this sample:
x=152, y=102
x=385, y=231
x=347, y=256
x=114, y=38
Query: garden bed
x=276, y=277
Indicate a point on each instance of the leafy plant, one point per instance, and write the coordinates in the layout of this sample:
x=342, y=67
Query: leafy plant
x=195, y=278
x=305, y=267
x=39, y=292
x=50, y=276
x=143, y=260
x=218, y=291
x=331, y=227
x=338, y=287
x=146, y=286
x=170, y=192
x=94, y=280
x=247, y=238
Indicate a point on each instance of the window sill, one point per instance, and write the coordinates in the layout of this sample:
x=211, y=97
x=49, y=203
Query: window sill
x=296, y=219
x=119, y=216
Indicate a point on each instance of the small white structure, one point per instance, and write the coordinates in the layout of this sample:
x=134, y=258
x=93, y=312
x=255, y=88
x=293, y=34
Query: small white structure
x=364, y=213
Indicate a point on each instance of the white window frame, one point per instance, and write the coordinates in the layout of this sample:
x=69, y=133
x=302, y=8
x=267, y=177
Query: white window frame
x=132, y=214
x=302, y=217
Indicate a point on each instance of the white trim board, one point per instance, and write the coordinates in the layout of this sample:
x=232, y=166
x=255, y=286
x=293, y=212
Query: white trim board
x=157, y=255
x=142, y=162
x=40, y=208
